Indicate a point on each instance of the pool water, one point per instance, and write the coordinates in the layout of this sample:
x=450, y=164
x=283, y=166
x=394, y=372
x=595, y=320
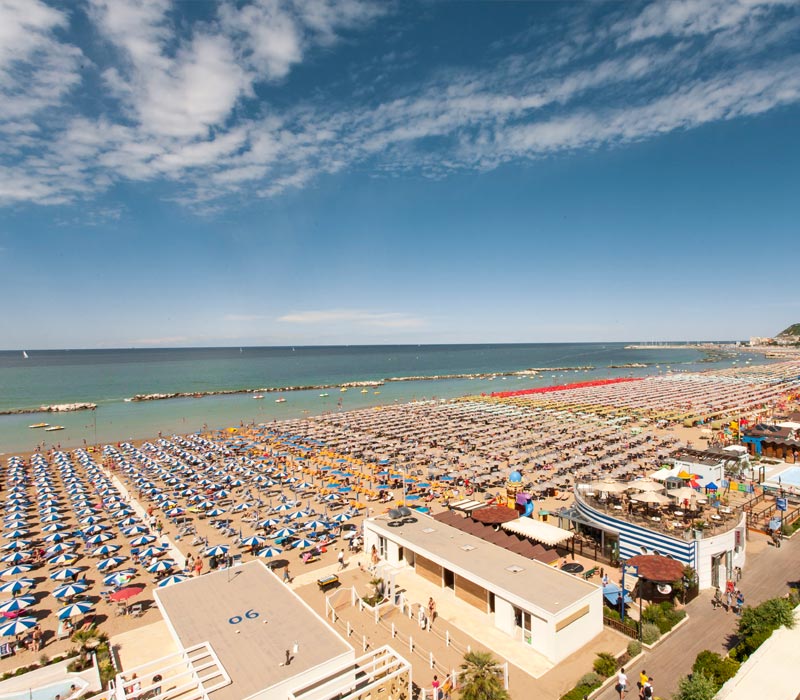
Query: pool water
x=788, y=477
x=48, y=692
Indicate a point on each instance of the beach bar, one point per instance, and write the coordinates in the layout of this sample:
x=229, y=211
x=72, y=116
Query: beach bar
x=549, y=610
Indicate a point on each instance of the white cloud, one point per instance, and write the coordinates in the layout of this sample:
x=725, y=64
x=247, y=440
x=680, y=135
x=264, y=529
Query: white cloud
x=354, y=316
x=246, y=318
x=187, y=111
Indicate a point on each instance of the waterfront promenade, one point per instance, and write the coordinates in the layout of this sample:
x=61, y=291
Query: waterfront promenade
x=766, y=575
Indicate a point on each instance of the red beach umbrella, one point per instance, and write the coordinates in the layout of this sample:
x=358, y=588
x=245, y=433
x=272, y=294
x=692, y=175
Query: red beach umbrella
x=126, y=593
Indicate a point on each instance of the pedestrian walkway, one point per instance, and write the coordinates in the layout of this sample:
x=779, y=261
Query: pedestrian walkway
x=766, y=575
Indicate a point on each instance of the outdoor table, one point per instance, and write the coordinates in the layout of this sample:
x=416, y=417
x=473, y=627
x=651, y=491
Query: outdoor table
x=589, y=493
x=679, y=513
x=656, y=519
x=702, y=501
x=716, y=517
x=617, y=507
x=726, y=510
x=572, y=567
x=327, y=582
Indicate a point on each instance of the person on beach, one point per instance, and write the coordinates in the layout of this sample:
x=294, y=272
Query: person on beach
x=431, y=612
x=341, y=559
x=286, y=577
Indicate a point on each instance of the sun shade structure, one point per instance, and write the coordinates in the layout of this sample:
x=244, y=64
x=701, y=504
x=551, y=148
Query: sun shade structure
x=538, y=531
x=654, y=567
x=494, y=515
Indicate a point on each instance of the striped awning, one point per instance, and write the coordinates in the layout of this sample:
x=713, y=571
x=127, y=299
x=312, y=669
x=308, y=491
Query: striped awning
x=538, y=531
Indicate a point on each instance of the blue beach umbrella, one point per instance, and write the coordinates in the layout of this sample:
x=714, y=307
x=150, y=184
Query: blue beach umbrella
x=22, y=602
x=106, y=549
x=217, y=551
x=161, y=565
x=64, y=574
x=110, y=563
x=14, y=557
x=14, y=587
x=269, y=522
x=100, y=538
x=118, y=578
x=18, y=626
x=215, y=512
x=171, y=580
x=74, y=610
x=59, y=548
x=284, y=532
x=69, y=590
x=270, y=552
x=254, y=541
x=142, y=540
x=15, y=570
x=302, y=543
x=65, y=558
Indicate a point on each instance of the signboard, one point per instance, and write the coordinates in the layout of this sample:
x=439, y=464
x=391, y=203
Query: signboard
x=631, y=570
x=780, y=503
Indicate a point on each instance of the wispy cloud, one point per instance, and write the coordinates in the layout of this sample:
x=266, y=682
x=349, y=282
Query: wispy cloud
x=354, y=316
x=246, y=318
x=186, y=105
x=167, y=340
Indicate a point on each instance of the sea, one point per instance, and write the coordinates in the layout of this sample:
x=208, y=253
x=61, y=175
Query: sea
x=108, y=377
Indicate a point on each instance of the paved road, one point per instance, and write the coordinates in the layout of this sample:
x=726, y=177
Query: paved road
x=766, y=575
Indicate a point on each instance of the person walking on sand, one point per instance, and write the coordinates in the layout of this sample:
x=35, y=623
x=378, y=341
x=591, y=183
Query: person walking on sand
x=431, y=612
x=286, y=578
x=341, y=559
x=622, y=683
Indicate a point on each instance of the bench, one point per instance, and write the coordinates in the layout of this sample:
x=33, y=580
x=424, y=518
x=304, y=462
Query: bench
x=588, y=574
x=327, y=582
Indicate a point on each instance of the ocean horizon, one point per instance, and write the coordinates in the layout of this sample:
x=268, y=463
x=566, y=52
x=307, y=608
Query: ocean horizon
x=107, y=377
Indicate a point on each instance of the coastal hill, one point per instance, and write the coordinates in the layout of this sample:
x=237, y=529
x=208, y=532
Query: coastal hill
x=791, y=331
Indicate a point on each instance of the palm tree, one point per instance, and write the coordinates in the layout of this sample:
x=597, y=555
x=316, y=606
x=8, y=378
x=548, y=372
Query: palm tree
x=481, y=677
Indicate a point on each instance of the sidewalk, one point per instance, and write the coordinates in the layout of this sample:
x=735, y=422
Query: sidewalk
x=766, y=575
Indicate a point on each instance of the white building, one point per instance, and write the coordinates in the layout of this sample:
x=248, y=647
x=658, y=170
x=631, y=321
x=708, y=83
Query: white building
x=554, y=612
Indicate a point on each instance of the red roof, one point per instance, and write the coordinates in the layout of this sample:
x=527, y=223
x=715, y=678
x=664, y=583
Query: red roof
x=654, y=567
x=494, y=515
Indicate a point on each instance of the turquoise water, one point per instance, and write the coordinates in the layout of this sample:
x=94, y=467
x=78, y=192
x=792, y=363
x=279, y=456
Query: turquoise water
x=107, y=377
x=47, y=692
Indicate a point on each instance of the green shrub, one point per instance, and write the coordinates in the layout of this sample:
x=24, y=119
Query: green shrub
x=6, y=675
x=664, y=615
x=757, y=624
x=611, y=614
x=695, y=687
x=650, y=633
x=579, y=692
x=634, y=648
x=605, y=664
x=715, y=667
x=591, y=678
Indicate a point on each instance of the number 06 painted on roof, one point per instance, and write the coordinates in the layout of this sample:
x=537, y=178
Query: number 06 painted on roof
x=236, y=619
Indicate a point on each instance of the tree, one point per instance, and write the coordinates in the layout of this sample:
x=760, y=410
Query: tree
x=757, y=624
x=698, y=686
x=481, y=677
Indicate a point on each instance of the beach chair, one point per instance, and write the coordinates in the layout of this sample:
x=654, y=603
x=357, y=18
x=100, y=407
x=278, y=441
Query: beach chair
x=137, y=610
x=6, y=650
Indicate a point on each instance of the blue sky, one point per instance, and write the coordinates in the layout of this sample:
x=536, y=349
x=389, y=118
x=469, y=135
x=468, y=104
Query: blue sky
x=315, y=171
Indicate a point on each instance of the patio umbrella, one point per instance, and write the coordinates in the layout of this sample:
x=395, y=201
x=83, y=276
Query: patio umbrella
x=302, y=543
x=18, y=626
x=118, y=578
x=69, y=590
x=682, y=494
x=74, y=610
x=65, y=558
x=610, y=486
x=100, y=538
x=284, y=532
x=646, y=485
x=142, y=540
x=651, y=498
x=134, y=530
x=270, y=552
x=105, y=550
x=170, y=580
x=215, y=512
x=125, y=593
x=15, y=570
x=16, y=604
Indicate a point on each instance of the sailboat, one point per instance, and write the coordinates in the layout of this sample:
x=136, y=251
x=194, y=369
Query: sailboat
x=24, y=354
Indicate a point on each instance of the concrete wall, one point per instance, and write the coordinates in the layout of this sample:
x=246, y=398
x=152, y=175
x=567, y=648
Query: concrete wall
x=504, y=615
x=709, y=547
x=393, y=552
x=572, y=637
x=281, y=691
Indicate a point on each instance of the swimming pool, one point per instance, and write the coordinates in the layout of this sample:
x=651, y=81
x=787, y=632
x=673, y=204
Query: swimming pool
x=48, y=692
x=788, y=477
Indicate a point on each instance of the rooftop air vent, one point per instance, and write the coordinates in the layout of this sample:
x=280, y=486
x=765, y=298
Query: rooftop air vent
x=514, y=569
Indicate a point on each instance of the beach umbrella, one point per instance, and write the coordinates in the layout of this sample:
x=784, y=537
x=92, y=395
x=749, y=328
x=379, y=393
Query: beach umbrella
x=217, y=551
x=17, y=545
x=14, y=587
x=55, y=537
x=298, y=514
x=59, y=548
x=651, y=498
x=69, y=590
x=253, y=541
x=142, y=540
x=242, y=506
x=302, y=543
x=284, y=532
x=270, y=552
x=54, y=527
x=110, y=563
x=64, y=574
x=100, y=538
x=215, y=512
x=125, y=593
x=316, y=524
x=170, y=580
x=65, y=558
x=134, y=529
x=118, y=578
x=15, y=534
x=16, y=604
x=269, y=522
x=105, y=549
x=150, y=552
x=74, y=610
x=161, y=565
x=646, y=485
x=15, y=557
x=18, y=626
x=15, y=570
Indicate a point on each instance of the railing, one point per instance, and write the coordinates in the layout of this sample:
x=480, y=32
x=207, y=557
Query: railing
x=627, y=630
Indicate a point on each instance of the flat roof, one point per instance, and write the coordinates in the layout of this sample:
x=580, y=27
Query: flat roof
x=252, y=649
x=488, y=565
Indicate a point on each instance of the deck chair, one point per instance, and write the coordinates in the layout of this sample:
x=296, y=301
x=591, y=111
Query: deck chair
x=6, y=650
